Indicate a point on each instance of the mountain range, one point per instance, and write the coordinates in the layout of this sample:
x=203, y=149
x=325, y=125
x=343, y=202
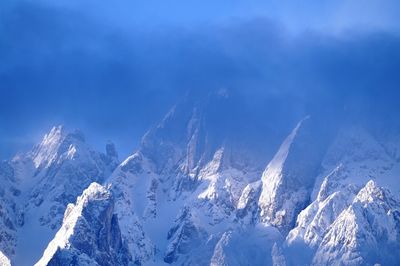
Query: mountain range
x=205, y=187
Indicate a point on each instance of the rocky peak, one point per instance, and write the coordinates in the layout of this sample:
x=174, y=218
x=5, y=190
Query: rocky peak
x=65, y=166
x=44, y=153
x=50, y=177
x=370, y=227
x=54, y=144
x=288, y=179
x=372, y=193
x=89, y=234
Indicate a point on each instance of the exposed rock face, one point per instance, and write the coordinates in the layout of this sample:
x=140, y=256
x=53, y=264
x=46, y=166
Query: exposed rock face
x=132, y=185
x=90, y=233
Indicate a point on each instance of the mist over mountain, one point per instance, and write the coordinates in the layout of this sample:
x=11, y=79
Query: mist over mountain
x=188, y=133
x=90, y=67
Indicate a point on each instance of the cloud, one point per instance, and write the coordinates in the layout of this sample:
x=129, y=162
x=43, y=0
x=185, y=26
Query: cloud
x=114, y=78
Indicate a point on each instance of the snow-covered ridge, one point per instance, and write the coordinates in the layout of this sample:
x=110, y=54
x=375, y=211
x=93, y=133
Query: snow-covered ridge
x=89, y=233
x=272, y=176
x=289, y=177
x=370, y=227
x=39, y=184
x=189, y=195
x=65, y=166
x=46, y=152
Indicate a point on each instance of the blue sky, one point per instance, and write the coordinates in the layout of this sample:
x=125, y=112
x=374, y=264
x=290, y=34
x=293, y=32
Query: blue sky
x=114, y=69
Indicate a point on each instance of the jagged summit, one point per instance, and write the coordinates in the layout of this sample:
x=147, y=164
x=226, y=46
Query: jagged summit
x=370, y=227
x=289, y=178
x=41, y=183
x=44, y=153
x=54, y=143
x=90, y=233
x=194, y=129
x=373, y=193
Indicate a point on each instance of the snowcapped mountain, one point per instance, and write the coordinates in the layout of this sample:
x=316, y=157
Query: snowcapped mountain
x=353, y=158
x=289, y=178
x=90, y=233
x=195, y=193
x=365, y=233
x=64, y=166
x=39, y=185
x=181, y=188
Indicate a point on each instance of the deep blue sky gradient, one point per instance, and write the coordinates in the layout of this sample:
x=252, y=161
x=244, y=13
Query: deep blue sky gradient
x=114, y=69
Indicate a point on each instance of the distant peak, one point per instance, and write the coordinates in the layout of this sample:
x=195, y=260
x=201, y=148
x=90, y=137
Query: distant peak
x=45, y=152
x=58, y=138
